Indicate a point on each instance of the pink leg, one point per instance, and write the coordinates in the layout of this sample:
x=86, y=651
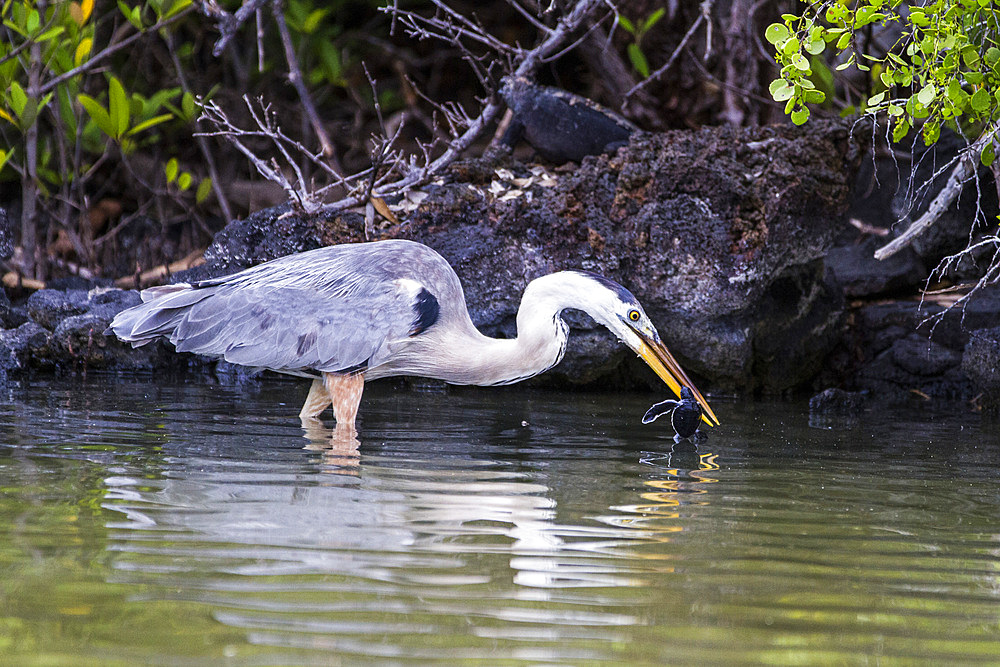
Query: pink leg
x=345, y=393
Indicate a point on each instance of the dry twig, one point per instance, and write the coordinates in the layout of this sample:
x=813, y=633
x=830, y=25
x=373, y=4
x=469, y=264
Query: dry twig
x=963, y=170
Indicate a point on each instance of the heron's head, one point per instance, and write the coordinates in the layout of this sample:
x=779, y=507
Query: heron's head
x=616, y=308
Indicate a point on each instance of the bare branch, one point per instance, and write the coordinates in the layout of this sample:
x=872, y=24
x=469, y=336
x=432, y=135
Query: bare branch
x=295, y=78
x=963, y=170
x=227, y=23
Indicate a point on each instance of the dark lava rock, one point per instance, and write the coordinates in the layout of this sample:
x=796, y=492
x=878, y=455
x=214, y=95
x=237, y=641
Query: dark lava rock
x=860, y=274
x=10, y=317
x=48, y=307
x=837, y=401
x=915, y=366
x=981, y=363
x=81, y=337
x=561, y=126
x=905, y=348
x=29, y=345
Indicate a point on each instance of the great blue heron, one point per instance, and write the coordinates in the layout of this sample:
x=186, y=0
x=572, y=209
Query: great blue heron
x=349, y=313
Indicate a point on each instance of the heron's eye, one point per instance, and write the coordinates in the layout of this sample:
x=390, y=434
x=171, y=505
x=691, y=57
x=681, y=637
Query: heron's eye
x=633, y=315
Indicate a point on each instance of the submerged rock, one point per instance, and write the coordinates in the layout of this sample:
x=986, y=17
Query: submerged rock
x=837, y=402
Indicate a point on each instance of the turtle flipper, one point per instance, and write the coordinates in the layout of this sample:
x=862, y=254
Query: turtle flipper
x=659, y=410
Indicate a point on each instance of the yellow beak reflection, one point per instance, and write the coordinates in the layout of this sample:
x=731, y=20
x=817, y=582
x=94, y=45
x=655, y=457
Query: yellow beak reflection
x=660, y=360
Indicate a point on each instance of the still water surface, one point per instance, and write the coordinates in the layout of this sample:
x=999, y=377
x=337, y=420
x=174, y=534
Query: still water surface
x=178, y=524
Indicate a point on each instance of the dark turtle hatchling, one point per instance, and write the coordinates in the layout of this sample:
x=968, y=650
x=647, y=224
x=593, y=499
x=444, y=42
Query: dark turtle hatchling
x=685, y=414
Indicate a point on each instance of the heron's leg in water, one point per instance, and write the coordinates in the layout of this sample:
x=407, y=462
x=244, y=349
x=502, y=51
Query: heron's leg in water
x=345, y=393
x=317, y=401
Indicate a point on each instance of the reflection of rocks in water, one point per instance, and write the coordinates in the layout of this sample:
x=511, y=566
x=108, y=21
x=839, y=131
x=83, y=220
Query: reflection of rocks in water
x=835, y=409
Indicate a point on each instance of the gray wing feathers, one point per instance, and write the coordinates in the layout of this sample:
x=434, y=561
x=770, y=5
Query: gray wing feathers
x=331, y=309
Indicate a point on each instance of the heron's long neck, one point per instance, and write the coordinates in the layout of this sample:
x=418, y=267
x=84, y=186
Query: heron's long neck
x=454, y=351
x=540, y=344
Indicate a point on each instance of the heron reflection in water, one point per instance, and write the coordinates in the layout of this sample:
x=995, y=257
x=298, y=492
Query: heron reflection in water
x=346, y=314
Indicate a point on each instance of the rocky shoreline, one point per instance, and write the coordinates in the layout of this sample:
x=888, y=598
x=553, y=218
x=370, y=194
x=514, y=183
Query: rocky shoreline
x=735, y=240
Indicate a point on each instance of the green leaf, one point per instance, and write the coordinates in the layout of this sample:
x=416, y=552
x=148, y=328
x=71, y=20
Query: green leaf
x=814, y=96
x=18, y=98
x=800, y=115
x=50, y=33
x=992, y=56
x=204, y=189
x=988, y=155
x=170, y=169
x=626, y=24
x=780, y=90
x=177, y=8
x=927, y=94
x=98, y=113
x=800, y=62
x=118, y=107
x=791, y=46
x=638, y=60
x=652, y=19
x=66, y=112
x=184, y=180
x=313, y=20
x=980, y=100
x=815, y=47
x=955, y=92
x=29, y=113
x=5, y=157
x=188, y=106
x=146, y=124
x=970, y=57
x=775, y=33
x=875, y=99
x=82, y=51
x=901, y=129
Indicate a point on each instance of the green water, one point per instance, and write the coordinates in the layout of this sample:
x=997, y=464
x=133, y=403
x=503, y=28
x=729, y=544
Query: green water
x=186, y=524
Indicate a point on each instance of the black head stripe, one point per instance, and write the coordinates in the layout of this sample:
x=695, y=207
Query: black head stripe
x=621, y=292
x=426, y=310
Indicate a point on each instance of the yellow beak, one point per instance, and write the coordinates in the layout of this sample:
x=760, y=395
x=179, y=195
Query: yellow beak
x=656, y=354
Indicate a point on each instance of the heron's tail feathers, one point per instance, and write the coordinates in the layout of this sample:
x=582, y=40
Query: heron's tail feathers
x=161, y=312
